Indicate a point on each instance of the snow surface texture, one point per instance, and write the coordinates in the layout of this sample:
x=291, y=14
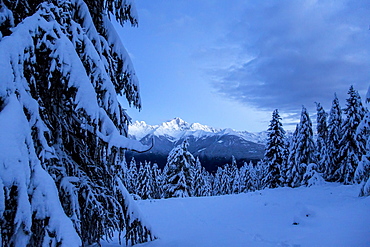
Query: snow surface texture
x=327, y=215
x=178, y=128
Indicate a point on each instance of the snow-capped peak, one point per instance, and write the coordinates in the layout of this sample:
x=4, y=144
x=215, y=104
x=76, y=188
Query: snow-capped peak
x=178, y=128
x=175, y=124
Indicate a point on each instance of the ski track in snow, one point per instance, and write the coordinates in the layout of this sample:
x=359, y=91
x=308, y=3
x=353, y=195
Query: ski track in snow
x=326, y=215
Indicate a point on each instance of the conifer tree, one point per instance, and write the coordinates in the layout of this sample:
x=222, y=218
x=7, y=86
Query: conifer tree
x=132, y=177
x=312, y=176
x=236, y=184
x=207, y=190
x=274, y=157
x=260, y=176
x=350, y=152
x=322, y=136
x=227, y=179
x=62, y=68
x=363, y=170
x=178, y=176
x=301, y=150
x=216, y=187
x=249, y=177
x=145, y=182
x=200, y=181
x=243, y=177
x=157, y=182
x=333, y=138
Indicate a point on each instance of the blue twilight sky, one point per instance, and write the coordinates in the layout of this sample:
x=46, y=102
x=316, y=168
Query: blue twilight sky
x=229, y=64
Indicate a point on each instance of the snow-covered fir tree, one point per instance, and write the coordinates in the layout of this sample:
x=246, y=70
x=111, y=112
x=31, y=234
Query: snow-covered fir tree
x=321, y=140
x=253, y=177
x=235, y=175
x=259, y=175
x=131, y=177
x=157, y=182
x=350, y=152
x=227, y=179
x=243, y=177
x=63, y=132
x=312, y=176
x=145, y=183
x=330, y=161
x=216, y=187
x=207, y=190
x=200, y=181
x=363, y=170
x=275, y=150
x=178, y=172
x=301, y=150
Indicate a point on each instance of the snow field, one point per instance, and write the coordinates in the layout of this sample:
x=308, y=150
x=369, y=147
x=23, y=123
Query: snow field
x=327, y=215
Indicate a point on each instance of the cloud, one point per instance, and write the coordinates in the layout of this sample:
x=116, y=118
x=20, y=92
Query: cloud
x=296, y=53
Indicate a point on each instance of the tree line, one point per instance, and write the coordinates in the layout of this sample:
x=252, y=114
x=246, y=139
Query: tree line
x=339, y=152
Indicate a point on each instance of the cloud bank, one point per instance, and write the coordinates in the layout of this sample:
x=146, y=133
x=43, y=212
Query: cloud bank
x=297, y=53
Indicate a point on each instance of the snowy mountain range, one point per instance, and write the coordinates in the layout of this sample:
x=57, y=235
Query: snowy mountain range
x=213, y=146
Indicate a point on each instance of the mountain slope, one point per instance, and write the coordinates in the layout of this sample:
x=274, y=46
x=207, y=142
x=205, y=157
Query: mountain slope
x=213, y=146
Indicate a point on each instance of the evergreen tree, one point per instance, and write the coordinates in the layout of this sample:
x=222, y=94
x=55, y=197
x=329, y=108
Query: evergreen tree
x=157, y=182
x=363, y=170
x=311, y=176
x=322, y=136
x=260, y=175
x=207, y=190
x=243, y=177
x=178, y=176
x=350, y=151
x=145, y=182
x=216, y=188
x=301, y=151
x=236, y=184
x=333, y=138
x=62, y=69
x=227, y=178
x=200, y=186
x=249, y=177
x=275, y=150
x=132, y=177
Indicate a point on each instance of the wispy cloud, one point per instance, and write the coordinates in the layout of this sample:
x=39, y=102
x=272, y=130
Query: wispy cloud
x=296, y=53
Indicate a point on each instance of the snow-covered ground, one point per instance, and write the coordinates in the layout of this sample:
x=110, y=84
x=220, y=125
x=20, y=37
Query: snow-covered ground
x=327, y=215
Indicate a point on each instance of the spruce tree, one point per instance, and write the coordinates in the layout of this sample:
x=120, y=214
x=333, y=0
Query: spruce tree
x=243, y=177
x=363, y=170
x=132, y=177
x=216, y=186
x=350, y=152
x=260, y=176
x=249, y=177
x=322, y=136
x=235, y=177
x=312, y=176
x=301, y=150
x=145, y=182
x=200, y=181
x=333, y=141
x=62, y=69
x=157, y=182
x=227, y=179
x=179, y=168
x=274, y=157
